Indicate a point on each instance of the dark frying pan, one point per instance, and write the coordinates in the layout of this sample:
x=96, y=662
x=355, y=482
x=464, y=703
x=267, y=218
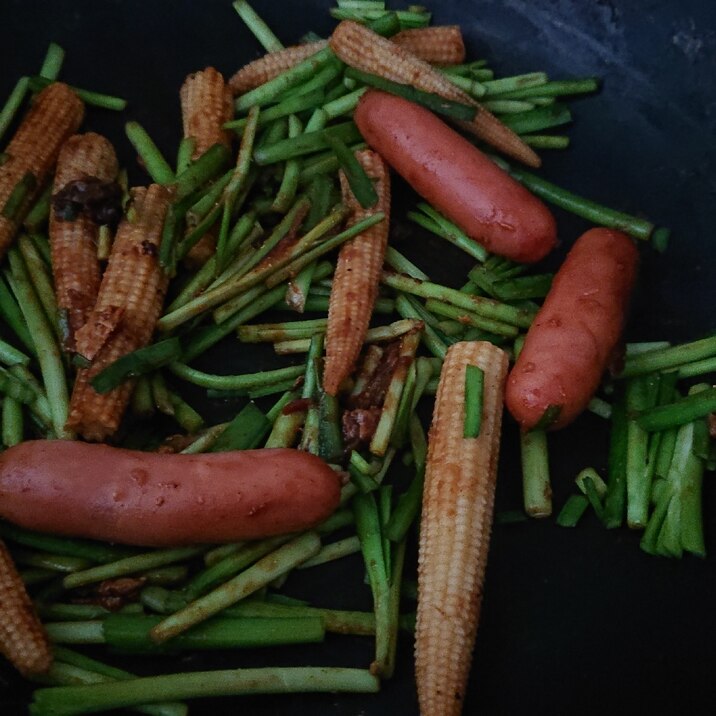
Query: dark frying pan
x=574, y=621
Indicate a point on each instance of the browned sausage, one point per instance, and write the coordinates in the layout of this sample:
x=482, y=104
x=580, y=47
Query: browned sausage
x=456, y=178
x=107, y=493
x=575, y=332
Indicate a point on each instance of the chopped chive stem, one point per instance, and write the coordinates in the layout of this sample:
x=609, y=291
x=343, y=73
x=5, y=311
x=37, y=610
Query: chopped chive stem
x=516, y=82
x=600, y=407
x=289, y=183
x=554, y=89
x=291, y=105
x=468, y=318
x=48, y=350
x=320, y=80
x=96, y=99
x=474, y=382
x=368, y=527
x=507, y=106
x=333, y=551
x=470, y=84
x=684, y=410
x=360, y=183
x=131, y=633
x=265, y=93
x=321, y=164
x=546, y=141
x=233, y=682
x=407, y=307
x=184, y=154
x=670, y=357
x=156, y=165
x=441, y=226
x=79, y=632
x=9, y=355
x=260, y=30
x=17, y=200
x=306, y=143
x=587, y=209
x=401, y=264
x=537, y=490
x=55, y=562
x=40, y=275
x=205, y=169
x=524, y=287
x=130, y=565
x=572, y=511
x=261, y=573
x=641, y=394
x=436, y=103
x=476, y=304
x=535, y=120
x=38, y=215
x=615, y=502
x=139, y=362
x=208, y=201
x=245, y=432
x=185, y=415
x=13, y=103
x=316, y=252
x=13, y=427
x=234, y=382
x=343, y=105
x=52, y=64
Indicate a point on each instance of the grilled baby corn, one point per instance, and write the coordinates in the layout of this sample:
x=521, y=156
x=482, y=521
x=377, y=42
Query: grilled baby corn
x=23, y=641
x=439, y=45
x=75, y=265
x=128, y=306
x=355, y=283
x=360, y=47
x=56, y=114
x=455, y=528
x=205, y=106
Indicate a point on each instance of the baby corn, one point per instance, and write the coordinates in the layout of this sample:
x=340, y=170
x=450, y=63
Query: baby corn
x=205, y=107
x=355, y=283
x=439, y=45
x=455, y=528
x=23, y=641
x=75, y=265
x=271, y=65
x=128, y=306
x=360, y=47
x=55, y=115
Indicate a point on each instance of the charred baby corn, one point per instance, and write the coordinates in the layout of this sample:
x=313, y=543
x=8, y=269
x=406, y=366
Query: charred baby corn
x=355, y=283
x=360, y=47
x=23, y=641
x=73, y=241
x=455, y=528
x=128, y=304
x=55, y=115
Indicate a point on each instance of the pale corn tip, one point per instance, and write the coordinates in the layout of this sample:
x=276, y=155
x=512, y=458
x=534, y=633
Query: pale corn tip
x=360, y=47
x=205, y=107
x=23, y=641
x=455, y=528
x=123, y=319
x=355, y=282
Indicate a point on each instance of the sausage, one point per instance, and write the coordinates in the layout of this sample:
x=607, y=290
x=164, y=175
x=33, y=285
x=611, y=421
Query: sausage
x=151, y=499
x=457, y=178
x=574, y=334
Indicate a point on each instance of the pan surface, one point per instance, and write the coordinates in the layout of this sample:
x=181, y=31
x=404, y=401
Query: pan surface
x=574, y=621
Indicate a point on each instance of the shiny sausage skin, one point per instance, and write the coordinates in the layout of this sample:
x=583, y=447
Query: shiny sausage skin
x=107, y=493
x=573, y=337
x=456, y=178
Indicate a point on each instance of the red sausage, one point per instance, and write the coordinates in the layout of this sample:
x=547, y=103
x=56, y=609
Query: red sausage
x=456, y=178
x=107, y=493
x=575, y=332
